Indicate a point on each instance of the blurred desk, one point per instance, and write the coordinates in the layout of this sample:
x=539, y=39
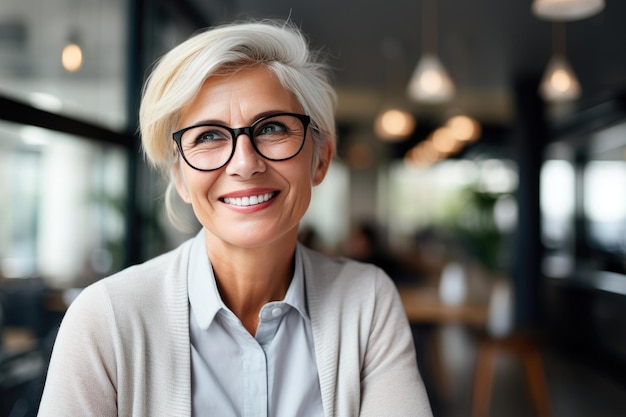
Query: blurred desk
x=427, y=313
x=424, y=306
x=55, y=301
x=17, y=339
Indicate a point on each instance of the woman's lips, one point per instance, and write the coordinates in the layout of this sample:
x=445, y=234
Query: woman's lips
x=249, y=200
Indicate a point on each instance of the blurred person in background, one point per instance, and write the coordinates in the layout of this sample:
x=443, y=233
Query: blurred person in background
x=363, y=244
x=240, y=320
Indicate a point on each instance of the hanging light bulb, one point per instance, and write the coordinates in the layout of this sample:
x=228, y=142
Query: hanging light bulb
x=72, y=54
x=559, y=82
x=72, y=57
x=430, y=82
x=564, y=10
x=464, y=128
x=394, y=124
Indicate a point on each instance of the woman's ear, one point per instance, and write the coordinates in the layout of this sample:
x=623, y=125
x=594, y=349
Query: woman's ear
x=179, y=181
x=325, y=157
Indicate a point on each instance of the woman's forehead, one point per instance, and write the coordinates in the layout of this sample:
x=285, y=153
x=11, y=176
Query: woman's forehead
x=238, y=97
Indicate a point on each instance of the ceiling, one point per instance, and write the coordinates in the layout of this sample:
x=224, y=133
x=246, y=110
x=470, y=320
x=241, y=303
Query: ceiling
x=485, y=45
x=373, y=46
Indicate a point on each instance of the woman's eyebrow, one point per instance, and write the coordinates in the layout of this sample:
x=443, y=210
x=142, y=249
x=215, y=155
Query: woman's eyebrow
x=252, y=120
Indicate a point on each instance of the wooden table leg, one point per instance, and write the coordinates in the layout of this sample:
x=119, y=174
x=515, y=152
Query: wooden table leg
x=537, y=384
x=483, y=380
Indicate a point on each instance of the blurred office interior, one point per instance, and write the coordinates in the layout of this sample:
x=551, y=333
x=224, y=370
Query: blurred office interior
x=494, y=199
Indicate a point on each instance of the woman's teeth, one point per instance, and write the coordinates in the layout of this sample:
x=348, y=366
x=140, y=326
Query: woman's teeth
x=249, y=201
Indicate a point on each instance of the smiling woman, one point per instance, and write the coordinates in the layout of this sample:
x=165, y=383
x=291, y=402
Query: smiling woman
x=241, y=317
x=248, y=170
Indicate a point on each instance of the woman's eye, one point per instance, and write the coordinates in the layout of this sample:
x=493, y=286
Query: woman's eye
x=211, y=136
x=271, y=128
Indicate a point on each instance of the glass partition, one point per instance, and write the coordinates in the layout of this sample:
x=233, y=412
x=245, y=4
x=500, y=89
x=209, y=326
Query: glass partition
x=61, y=206
x=583, y=204
x=605, y=195
x=38, y=65
x=466, y=206
x=558, y=211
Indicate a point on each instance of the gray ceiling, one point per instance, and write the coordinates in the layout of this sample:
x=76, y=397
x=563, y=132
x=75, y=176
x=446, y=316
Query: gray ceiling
x=485, y=45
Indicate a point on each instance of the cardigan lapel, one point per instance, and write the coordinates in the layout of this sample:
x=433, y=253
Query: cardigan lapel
x=325, y=338
x=335, y=322
x=177, y=337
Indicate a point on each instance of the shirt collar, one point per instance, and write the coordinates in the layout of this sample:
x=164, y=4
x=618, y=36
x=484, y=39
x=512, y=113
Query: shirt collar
x=204, y=297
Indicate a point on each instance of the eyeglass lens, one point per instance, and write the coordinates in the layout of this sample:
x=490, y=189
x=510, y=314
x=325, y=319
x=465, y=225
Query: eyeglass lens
x=276, y=137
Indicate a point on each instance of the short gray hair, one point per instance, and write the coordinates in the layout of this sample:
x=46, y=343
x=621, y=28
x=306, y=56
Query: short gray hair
x=179, y=75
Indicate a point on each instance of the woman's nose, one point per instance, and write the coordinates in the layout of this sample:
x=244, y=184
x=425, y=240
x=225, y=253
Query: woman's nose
x=245, y=161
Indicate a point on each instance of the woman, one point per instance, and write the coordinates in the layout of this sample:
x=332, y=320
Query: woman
x=239, y=320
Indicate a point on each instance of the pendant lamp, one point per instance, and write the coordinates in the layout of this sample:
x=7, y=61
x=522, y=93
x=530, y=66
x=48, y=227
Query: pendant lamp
x=72, y=56
x=72, y=53
x=559, y=82
x=430, y=82
x=393, y=122
x=566, y=10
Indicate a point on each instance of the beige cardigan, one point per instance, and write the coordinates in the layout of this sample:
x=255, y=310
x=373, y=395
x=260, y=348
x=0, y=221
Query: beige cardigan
x=123, y=347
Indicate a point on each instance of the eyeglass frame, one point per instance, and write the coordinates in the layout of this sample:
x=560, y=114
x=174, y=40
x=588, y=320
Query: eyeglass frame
x=235, y=133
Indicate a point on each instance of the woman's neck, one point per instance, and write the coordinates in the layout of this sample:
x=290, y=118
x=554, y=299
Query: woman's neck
x=249, y=278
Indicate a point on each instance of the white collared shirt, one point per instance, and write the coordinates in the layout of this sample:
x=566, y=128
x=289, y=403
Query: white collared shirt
x=273, y=373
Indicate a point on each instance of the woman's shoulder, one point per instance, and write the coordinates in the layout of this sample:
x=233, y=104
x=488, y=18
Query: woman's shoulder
x=338, y=263
x=143, y=283
x=338, y=271
x=154, y=269
x=340, y=288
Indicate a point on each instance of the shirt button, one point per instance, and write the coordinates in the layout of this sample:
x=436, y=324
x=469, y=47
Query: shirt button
x=277, y=311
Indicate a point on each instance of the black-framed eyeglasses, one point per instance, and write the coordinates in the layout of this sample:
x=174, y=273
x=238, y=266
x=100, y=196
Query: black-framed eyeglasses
x=208, y=146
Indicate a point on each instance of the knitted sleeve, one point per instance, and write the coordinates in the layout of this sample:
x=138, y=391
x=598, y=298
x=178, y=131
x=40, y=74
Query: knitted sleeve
x=82, y=376
x=390, y=381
